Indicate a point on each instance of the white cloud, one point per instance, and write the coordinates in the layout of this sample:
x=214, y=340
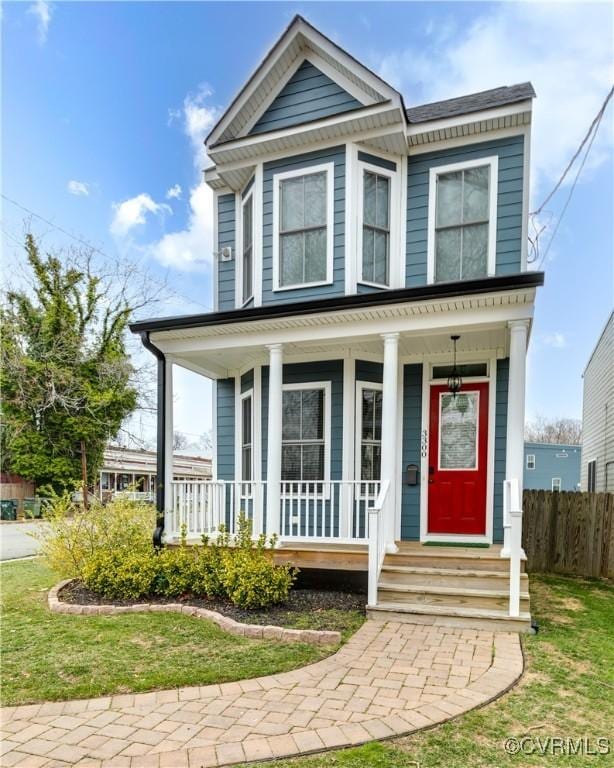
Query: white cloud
x=79, y=188
x=198, y=118
x=174, y=193
x=556, y=340
x=565, y=50
x=132, y=212
x=42, y=10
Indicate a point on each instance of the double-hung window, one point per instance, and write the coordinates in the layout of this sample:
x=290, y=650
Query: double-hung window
x=556, y=483
x=247, y=249
x=304, y=436
x=246, y=437
x=303, y=223
x=375, y=228
x=530, y=461
x=370, y=420
x=462, y=228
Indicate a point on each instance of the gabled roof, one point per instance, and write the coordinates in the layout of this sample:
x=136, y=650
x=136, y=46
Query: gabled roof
x=299, y=41
x=474, y=102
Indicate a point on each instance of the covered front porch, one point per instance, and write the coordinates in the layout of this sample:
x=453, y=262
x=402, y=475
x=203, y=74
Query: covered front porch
x=336, y=429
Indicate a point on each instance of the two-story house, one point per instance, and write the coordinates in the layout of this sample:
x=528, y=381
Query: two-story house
x=369, y=337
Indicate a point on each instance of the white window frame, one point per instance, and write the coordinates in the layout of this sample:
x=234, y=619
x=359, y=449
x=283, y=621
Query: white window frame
x=329, y=170
x=326, y=387
x=557, y=481
x=242, y=200
x=249, y=393
x=394, y=244
x=360, y=386
x=530, y=464
x=493, y=185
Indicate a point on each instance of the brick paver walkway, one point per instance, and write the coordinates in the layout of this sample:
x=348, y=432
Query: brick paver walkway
x=387, y=680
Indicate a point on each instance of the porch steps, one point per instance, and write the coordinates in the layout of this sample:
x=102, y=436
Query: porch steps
x=451, y=586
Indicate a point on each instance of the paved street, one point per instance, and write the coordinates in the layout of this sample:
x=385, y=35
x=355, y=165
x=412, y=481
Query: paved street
x=15, y=540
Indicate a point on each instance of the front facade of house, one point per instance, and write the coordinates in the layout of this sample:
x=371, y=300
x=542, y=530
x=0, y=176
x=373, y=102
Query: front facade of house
x=354, y=238
x=551, y=467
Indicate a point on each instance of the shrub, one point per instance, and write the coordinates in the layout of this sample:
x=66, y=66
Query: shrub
x=122, y=575
x=177, y=572
x=75, y=535
x=252, y=580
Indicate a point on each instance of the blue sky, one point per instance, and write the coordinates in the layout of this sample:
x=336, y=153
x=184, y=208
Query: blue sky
x=104, y=107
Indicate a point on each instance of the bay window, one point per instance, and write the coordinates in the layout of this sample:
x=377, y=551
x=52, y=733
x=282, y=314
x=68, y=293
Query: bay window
x=462, y=220
x=303, y=223
x=304, y=454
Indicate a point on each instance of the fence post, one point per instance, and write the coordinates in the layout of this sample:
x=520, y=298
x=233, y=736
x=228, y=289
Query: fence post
x=373, y=520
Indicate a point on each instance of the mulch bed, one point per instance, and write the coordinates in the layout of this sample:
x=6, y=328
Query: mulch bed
x=315, y=602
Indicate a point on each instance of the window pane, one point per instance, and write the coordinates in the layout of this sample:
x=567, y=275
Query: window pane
x=315, y=255
x=247, y=224
x=378, y=415
x=247, y=274
x=380, y=265
x=291, y=416
x=368, y=410
x=458, y=430
x=475, y=251
x=367, y=253
x=315, y=200
x=449, y=199
x=291, y=462
x=313, y=462
x=382, y=202
x=312, y=414
x=246, y=463
x=291, y=267
x=475, y=194
x=292, y=203
x=447, y=255
x=247, y=421
x=370, y=462
x=369, y=181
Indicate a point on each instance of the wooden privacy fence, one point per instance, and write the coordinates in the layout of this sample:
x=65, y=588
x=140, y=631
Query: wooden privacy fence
x=568, y=532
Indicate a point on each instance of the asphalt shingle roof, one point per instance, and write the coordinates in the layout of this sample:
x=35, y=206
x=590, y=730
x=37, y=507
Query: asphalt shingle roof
x=495, y=97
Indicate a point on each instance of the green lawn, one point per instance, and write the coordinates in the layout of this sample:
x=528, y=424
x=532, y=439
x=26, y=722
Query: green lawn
x=48, y=656
x=567, y=691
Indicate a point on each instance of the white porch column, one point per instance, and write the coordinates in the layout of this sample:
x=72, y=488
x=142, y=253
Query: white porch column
x=274, y=439
x=389, y=432
x=514, y=455
x=168, y=437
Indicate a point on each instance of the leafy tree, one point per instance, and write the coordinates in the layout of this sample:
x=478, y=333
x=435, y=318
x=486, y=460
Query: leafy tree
x=65, y=374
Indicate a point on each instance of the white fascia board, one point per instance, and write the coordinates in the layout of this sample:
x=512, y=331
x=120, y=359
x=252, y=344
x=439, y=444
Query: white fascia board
x=261, y=140
x=463, y=141
x=414, y=129
x=350, y=328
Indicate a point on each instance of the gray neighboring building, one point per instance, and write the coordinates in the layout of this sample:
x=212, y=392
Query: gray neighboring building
x=598, y=415
x=552, y=467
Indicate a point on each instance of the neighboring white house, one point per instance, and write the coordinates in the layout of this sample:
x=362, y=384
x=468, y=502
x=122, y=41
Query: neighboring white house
x=598, y=415
x=368, y=344
x=130, y=471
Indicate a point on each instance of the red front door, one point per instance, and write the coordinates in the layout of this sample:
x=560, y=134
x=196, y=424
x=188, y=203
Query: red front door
x=458, y=449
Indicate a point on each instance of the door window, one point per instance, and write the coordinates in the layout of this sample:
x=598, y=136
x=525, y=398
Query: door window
x=458, y=430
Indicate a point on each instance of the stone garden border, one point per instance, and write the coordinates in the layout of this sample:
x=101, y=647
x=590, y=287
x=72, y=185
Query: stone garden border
x=255, y=631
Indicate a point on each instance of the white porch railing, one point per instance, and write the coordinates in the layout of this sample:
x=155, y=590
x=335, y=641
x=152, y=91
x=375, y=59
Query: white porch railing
x=512, y=520
x=334, y=510
x=134, y=495
x=377, y=540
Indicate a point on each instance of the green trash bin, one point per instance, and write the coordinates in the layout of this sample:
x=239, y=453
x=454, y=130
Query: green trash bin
x=32, y=507
x=8, y=509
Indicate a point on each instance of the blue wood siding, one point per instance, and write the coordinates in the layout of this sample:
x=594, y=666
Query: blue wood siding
x=552, y=461
x=226, y=237
x=500, y=447
x=337, y=288
x=308, y=95
x=509, y=203
x=225, y=428
x=369, y=371
x=247, y=381
x=298, y=373
x=412, y=425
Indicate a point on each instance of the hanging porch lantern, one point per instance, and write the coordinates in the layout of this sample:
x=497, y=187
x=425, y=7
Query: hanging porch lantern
x=455, y=381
